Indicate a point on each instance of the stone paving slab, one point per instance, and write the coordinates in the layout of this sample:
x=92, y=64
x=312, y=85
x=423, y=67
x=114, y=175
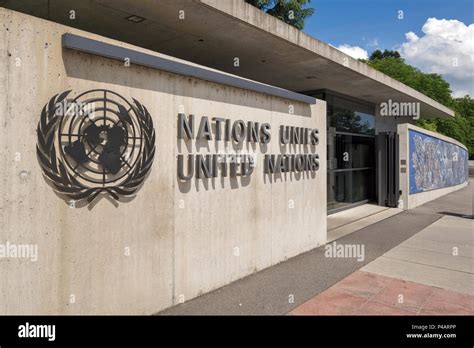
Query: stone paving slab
x=365, y=293
x=450, y=229
x=440, y=247
x=432, y=258
x=435, y=267
x=428, y=275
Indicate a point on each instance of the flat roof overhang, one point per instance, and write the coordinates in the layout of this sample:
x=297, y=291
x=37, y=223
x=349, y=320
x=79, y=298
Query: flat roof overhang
x=214, y=32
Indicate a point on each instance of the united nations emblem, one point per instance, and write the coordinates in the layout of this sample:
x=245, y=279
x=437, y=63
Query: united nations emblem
x=97, y=143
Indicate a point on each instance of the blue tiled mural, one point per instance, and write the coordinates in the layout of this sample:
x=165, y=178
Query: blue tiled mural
x=435, y=163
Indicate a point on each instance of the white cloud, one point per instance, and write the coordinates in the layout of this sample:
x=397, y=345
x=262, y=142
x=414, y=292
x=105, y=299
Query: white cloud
x=411, y=36
x=446, y=48
x=374, y=43
x=353, y=51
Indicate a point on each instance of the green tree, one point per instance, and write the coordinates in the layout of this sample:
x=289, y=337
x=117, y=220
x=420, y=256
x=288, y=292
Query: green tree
x=460, y=127
x=293, y=12
x=432, y=85
x=378, y=54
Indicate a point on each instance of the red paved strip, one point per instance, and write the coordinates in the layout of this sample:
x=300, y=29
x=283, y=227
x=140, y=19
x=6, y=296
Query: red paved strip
x=364, y=293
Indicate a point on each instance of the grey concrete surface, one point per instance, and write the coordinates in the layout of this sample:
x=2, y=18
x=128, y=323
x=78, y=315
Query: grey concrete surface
x=215, y=32
x=304, y=276
x=440, y=263
x=351, y=215
x=355, y=223
x=424, y=274
x=175, y=239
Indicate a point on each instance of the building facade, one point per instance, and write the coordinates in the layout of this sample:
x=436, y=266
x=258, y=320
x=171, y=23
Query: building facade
x=150, y=159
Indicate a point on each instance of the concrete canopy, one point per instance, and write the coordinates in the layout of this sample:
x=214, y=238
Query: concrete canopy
x=215, y=32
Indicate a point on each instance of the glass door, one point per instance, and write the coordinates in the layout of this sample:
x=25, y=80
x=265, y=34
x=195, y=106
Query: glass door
x=351, y=169
x=350, y=150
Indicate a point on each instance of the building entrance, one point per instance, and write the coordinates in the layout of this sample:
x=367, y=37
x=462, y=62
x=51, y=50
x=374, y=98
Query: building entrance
x=350, y=151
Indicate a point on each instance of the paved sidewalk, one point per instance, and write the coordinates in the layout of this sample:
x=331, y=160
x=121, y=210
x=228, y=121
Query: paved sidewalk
x=441, y=255
x=365, y=293
x=283, y=288
x=431, y=273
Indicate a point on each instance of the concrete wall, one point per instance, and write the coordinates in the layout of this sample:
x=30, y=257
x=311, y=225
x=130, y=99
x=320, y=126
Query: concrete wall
x=183, y=239
x=413, y=200
x=389, y=123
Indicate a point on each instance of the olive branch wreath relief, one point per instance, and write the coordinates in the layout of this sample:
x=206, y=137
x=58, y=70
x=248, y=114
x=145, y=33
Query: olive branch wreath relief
x=66, y=184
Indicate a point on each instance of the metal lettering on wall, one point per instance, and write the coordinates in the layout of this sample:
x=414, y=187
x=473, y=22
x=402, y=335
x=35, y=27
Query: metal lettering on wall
x=95, y=144
x=238, y=164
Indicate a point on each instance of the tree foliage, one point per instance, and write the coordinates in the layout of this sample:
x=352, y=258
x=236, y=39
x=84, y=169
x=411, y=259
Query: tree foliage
x=460, y=127
x=293, y=12
x=378, y=54
x=432, y=85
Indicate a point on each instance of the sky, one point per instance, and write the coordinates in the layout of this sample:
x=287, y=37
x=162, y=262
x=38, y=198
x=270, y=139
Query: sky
x=436, y=36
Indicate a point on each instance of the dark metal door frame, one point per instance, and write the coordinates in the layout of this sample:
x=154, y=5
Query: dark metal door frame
x=387, y=164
